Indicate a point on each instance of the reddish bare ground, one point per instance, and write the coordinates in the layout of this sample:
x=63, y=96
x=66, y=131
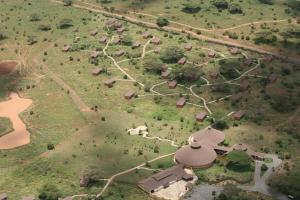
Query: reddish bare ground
x=7, y=66
x=12, y=109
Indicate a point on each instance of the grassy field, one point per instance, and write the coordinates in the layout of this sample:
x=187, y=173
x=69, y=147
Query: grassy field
x=5, y=126
x=97, y=142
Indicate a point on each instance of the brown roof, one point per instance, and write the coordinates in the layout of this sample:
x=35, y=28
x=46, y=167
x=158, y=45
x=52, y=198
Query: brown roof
x=236, y=97
x=28, y=198
x=209, y=136
x=162, y=179
x=97, y=71
x=188, y=46
x=129, y=94
x=211, y=53
x=95, y=54
x=248, y=61
x=121, y=30
x=109, y=82
x=181, y=102
x=238, y=114
x=136, y=44
x=182, y=61
x=66, y=48
x=146, y=35
x=244, y=84
x=103, y=39
x=240, y=147
x=201, y=116
x=94, y=32
x=234, y=50
x=165, y=74
x=222, y=148
x=3, y=196
x=214, y=74
x=272, y=78
x=120, y=52
x=195, y=155
x=155, y=40
x=172, y=84
x=157, y=50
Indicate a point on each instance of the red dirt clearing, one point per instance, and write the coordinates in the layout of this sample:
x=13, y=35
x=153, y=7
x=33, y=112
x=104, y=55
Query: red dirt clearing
x=7, y=66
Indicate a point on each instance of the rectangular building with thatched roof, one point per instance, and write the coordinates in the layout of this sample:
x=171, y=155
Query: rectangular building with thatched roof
x=201, y=116
x=3, y=196
x=110, y=82
x=129, y=95
x=164, y=179
x=181, y=102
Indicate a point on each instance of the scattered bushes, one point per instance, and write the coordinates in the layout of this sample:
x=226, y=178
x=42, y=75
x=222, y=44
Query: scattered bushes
x=161, y=21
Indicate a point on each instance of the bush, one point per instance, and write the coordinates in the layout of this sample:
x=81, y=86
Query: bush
x=65, y=23
x=68, y=2
x=153, y=65
x=220, y=125
x=127, y=40
x=238, y=161
x=2, y=36
x=49, y=192
x=161, y=21
x=44, y=27
x=235, y=9
x=50, y=146
x=34, y=17
x=191, y=7
x=171, y=54
x=264, y=167
x=220, y=4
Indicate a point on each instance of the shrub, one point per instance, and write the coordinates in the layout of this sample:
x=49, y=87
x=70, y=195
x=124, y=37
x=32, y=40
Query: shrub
x=161, y=21
x=49, y=192
x=65, y=23
x=171, y=54
x=238, y=161
x=68, y=2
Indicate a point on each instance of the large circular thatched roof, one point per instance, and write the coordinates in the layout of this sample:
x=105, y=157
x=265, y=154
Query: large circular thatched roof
x=208, y=137
x=195, y=155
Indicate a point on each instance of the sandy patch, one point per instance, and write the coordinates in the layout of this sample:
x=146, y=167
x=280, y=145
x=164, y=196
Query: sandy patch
x=176, y=190
x=140, y=130
x=7, y=66
x=12, y=109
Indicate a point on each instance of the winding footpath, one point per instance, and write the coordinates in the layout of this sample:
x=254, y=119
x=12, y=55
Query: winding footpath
x=223, y=41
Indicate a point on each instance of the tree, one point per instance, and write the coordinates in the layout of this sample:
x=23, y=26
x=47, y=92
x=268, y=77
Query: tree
x=44, y=27
x=153, y=65
x=34, y=17
x=238, y=161
x=161, y=21
x=220, y=4
x=187, y=74
x=49, y=192
x=235, y=9
x=127, y=40
x=269, y=2
x=265, y=37
x=68, y=2
x=31, y=40
x=191, y=7
x=2, y=36
x=65, y=23
x=220, y=125
x=171, y=54
x=228, y=68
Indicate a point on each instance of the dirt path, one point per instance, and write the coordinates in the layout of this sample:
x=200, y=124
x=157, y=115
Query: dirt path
x=223, y=41
x=117, y=65
x=12, y=109
x=129, y=170
x=72, y=93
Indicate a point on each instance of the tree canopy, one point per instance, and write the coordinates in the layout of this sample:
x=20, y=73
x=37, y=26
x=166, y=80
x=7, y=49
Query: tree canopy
x=161, y=21
x=238, y=161
x=191, y=7
x=153, y=65
x=171, y=54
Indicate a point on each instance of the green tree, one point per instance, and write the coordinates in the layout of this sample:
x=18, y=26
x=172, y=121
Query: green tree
x=2, y=35
x=153, y=65
x=191, y=7
x=65, y=23
x=235, y=9
x=171, y=54
x=161, y=21
x=127, y=40
x=220, y=4
x=228, y=68
x=238, y=161
x=68, y=2
x=34, y=17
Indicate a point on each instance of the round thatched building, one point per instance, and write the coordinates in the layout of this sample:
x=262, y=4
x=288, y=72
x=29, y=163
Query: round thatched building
x=208, y=137
x=195, y=155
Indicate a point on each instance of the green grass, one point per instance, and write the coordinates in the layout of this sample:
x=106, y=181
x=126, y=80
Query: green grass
x=5, y=126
